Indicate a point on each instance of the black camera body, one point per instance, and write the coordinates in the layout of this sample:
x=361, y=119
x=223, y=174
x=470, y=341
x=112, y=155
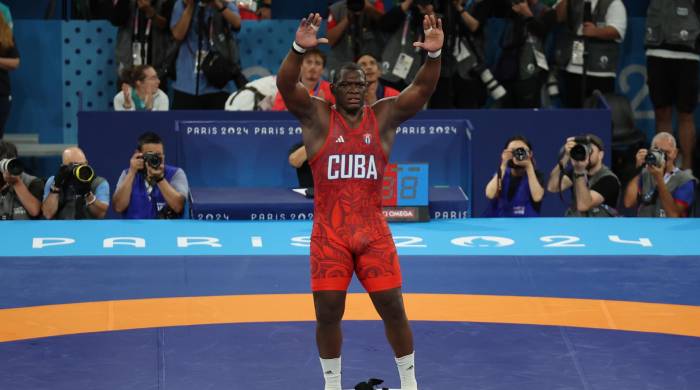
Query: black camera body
x=520, y=154
x=152, y=159
x=581, y=150
x=655, y=157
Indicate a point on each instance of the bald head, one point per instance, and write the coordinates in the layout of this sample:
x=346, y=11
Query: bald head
x=73, y=155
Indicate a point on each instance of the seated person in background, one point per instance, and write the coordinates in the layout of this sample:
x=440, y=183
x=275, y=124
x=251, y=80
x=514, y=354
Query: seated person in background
x=19, y=192
x=517, y=189
x=257, y=95
x=660, y=189
x=595, y=188
x=140, y=91
x=298, y=159
x=373, y=71
x=311, y=72
x=75, y=192
x=150, y=189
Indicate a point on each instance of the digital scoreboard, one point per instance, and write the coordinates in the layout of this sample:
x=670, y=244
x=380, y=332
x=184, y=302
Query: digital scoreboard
x=405, y=192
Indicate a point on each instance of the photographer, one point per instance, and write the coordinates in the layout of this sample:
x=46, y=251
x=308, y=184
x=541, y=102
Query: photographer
x=19, y=192
x=463, y=59
x=75, y=192
x=353, y=29
x=522, y=66
x=208, y=57
x=143, y=35
x=660, y=189
x=150, y=189
x=595, y=188
x=516, y=190
x=673, y=55
x=589, y=47
x=400, y=59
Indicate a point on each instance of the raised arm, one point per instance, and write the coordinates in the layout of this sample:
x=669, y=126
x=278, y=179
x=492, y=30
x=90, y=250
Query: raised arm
x=295, y=95
x=414, y=97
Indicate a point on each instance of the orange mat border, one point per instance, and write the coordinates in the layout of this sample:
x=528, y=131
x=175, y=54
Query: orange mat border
x=75, y=318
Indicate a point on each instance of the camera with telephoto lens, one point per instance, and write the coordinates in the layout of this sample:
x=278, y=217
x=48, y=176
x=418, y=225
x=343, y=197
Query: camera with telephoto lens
x=356, y=5
x=552, y=85
x=495, y=89
x=152, y=159
x=520, y=154
x=655, y=157
x=12, y=166
x=581, y=150
x=79, y=174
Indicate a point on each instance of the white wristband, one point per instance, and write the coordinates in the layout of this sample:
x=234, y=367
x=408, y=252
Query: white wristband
x=435, y=54
x=298, y=48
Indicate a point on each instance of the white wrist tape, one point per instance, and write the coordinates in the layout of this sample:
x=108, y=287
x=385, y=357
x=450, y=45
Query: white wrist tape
x=298, y=48
x=434, y=54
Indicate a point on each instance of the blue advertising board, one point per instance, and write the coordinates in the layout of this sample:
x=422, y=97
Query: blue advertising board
x=253, y=153
x=462, y=147
x=467, y=237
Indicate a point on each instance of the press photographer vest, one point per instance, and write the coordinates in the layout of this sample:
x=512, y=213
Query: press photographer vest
x=400, y=47
x=143, y=206
x=672, y=25
x=10, y=205
x=521, y=203
x=603, y=55
x=73, y=206
x=154, y=43
x=652, y=207
x=602, y=210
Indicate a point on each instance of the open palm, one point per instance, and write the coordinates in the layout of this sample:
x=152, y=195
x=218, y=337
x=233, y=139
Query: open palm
x=434, y=37
x=306, y=33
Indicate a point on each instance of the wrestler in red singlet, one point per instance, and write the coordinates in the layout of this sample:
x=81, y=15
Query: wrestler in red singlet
x=350, y=232
x=348, y=144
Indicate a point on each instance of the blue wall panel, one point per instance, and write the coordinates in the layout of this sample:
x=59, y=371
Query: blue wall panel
x=36, y=85
x=89, y=71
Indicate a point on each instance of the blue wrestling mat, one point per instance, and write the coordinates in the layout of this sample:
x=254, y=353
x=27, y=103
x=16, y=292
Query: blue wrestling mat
x=494, y=304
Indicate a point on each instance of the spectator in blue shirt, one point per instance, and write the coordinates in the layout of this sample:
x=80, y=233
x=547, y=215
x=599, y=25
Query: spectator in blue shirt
x=213, y=22
x=75, y=192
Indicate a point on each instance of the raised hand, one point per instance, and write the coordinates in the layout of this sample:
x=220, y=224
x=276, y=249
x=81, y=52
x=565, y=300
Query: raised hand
x=306, y=33
x=136, y=162
x=126, y=90
x=434, y=37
